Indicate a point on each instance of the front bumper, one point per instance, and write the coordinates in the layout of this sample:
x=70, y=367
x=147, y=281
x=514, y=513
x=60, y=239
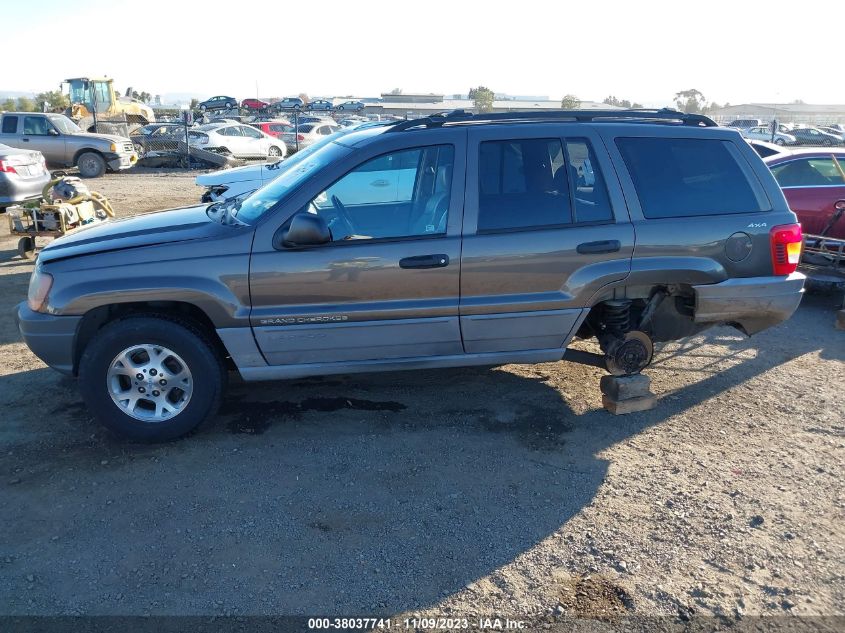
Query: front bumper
x=51, y=338
x=753, y=303
x=117, y=162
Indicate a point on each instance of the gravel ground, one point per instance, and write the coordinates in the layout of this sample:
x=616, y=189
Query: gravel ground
x=505, y=491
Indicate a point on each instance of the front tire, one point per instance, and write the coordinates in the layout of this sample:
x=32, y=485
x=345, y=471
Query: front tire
x=91, y=165
x=151, y=379
x=780, y=142
x=275, y=152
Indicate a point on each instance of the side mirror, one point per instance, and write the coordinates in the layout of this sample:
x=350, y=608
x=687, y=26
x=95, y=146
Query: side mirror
x=53, y=132
x=307, y=229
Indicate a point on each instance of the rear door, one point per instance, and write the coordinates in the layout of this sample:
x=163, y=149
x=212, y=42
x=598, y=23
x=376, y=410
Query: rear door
x=544, y=229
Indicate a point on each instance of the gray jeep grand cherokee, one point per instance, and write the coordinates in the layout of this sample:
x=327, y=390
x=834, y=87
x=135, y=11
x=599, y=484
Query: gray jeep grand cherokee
x=453, y=240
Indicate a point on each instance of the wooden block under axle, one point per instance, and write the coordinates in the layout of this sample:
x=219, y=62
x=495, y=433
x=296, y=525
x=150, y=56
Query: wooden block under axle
x=625, y=387
x=631, y=405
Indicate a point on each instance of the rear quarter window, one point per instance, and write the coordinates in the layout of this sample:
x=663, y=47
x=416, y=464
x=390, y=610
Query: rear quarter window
x=10, y=124
x=677, y=177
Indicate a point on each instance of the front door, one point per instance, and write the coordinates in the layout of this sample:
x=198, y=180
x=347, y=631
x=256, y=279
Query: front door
x=386, y=286
x=39, y=134
x=544, y=230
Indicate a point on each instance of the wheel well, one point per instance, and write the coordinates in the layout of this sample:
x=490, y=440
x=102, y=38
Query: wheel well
x=178, y=311
x=85, y=150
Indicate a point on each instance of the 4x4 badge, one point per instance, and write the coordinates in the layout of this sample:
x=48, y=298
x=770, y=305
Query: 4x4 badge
x=757, y=225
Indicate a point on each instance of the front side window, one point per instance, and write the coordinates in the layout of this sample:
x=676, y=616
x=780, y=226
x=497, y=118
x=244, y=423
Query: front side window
x=678, y=177
x=36, y=126
x=400, y=194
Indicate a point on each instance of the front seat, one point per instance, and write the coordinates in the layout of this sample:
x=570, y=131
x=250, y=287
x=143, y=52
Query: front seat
x=435, y=214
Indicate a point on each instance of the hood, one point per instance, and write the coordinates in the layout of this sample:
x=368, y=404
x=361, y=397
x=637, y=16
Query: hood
x=160, y=227
x=264, y=172
x=114, y=138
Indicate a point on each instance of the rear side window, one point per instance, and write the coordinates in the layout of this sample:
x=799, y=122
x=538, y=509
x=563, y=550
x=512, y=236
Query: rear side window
x=522, y=184
x=10, y=124
x=677, y=177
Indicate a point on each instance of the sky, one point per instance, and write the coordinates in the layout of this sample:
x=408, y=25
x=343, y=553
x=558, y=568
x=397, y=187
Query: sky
x=739, y=52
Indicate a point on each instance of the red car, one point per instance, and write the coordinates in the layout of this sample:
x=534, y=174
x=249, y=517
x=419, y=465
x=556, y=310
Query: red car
x=254, y=104
x=813, y=181
x=273, y=128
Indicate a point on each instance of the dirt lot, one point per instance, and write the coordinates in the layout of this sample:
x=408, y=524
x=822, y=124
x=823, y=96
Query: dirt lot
x=504, y=491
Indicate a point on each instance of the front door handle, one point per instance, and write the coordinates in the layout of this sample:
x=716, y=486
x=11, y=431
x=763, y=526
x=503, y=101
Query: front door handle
x=25, y=140
x=596, y=248
x=424, y=261
x=379, y=183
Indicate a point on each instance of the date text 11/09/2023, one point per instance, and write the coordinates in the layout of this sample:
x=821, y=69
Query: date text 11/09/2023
x=434, y=624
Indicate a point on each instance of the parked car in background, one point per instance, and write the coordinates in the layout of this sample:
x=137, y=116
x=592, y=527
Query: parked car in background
x=157, y=136
x=273, y=128
x=288, y=103
x=63, y=144
x=764, y=133
x=226, y=184
x=308, y=134
x=765, y=149
x=236, y=139
x=814, y=136
x=354, y=106
x=320, y=104
x=307, y=118
x=23, y=174
x=220, y=102
x=813, y=181
x=351, y=121
x=834, y=131
x=744, y=124
x=254, y=104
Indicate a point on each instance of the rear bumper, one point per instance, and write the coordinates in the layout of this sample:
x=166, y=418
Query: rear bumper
x=752, y=303
x=51, y=338
x=14, y=189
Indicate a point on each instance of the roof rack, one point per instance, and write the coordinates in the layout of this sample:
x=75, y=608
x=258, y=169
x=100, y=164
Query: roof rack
x=578, y=116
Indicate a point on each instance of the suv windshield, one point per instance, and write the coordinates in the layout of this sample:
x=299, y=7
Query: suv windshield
x=296, y=171
x=64, y=125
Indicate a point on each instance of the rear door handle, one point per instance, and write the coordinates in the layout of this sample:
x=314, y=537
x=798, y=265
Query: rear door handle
x=596, y=248
x=25, y=140
x=379, y=183
x=424, y=261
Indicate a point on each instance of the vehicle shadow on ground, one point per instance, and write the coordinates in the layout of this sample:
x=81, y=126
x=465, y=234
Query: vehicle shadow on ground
x=369, y=494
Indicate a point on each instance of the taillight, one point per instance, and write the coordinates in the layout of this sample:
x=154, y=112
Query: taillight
x=300, y=137
x=6, y=168
x=786, y=242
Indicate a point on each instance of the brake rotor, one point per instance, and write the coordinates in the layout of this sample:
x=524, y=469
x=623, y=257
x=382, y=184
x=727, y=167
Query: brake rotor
x=631, y=355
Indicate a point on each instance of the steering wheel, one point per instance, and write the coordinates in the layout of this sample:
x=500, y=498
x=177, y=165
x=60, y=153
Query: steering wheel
x=343, y=217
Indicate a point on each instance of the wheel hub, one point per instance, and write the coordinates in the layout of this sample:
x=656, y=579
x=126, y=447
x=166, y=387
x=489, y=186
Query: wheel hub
x=150, y=382
x=630, y=354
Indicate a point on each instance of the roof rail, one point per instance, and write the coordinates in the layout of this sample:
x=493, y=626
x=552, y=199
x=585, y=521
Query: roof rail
x=577, y=116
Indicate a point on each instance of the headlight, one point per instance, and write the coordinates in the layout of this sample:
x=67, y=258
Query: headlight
x=39, y=289
x=113, y=147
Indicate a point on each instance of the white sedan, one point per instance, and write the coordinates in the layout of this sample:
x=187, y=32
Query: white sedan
x=236, y=139
x=764, y=133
